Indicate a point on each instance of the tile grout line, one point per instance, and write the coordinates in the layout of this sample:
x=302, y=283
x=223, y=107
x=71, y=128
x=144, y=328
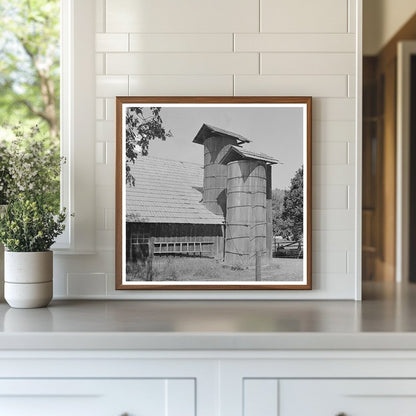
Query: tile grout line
x=348, y=16
x=348, y=197
x=347, y=93
x=347, y=268
x=104, y=16
x=348, y=153
x=260, y=64
x=233, y=84
x=260, y=20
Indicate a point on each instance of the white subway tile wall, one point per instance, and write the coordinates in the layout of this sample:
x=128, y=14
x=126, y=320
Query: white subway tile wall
x=317, y=63
x=232, y=47
x=99, y=109
x=181, y=85
x=86, y=284
x=100, y=64
x=181, y=42
x=300, y=16
x=182, y=16
x=333, y=175
x=351, y=86
x=182, y=63
x=283, y=42
x=314, y=85
x=112, y=42
x=330, y=153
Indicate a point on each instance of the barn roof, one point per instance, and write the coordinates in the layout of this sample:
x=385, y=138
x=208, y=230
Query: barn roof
x=206, y=131
x=167, y=191
x=238, y=153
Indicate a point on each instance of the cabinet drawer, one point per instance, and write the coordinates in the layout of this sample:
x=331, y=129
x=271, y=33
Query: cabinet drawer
x=349, y=397
x=86, y=397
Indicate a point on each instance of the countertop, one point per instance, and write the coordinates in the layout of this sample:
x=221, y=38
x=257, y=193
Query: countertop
x=384, y=320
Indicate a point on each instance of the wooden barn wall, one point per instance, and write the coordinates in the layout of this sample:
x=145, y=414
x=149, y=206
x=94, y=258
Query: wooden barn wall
x=180, y=233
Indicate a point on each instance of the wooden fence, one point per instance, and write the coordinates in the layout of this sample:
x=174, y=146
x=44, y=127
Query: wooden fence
x=287, y=249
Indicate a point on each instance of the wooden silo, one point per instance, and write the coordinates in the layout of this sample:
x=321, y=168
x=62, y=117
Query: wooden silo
x=249, y=228
x=216, y=143
x=246, y=211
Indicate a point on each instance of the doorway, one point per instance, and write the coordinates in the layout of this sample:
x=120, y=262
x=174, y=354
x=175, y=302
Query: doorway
x=406, y=155
x=388, y=127
x=412, y=227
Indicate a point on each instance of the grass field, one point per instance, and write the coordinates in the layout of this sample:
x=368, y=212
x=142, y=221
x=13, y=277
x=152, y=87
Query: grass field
x=182, y=269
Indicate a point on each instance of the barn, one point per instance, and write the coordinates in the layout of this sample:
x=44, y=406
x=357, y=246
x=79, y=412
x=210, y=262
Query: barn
x=221, y=209
x=165, y=213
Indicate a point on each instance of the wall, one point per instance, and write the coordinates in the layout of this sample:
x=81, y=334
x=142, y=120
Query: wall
x=233, y=47
x=382, y=19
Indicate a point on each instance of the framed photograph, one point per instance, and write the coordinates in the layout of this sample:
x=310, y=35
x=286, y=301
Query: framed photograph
x=213, y=193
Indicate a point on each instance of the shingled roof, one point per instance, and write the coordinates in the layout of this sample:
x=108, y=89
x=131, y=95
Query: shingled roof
x=238, y=153
x=207, y=130
x=167, y=191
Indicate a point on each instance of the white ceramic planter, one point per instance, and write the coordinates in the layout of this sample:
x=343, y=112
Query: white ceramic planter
x=28, y=279
x=1, y=271
x=2, y=210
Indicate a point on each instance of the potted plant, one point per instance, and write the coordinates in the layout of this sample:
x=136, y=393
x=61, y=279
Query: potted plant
x=32, y=220
x=28, y=228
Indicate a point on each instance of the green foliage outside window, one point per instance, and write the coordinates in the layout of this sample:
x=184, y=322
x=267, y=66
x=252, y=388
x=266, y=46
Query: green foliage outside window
x=30, y=63
x=29, y=85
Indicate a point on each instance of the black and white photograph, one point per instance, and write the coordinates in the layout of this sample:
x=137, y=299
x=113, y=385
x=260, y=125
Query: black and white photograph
x=213, y=194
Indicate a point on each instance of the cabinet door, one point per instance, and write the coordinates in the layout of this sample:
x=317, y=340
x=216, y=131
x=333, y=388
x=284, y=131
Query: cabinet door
x=86, y=397
x=347, y=397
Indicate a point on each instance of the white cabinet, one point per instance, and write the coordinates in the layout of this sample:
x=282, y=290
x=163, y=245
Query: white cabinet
x=330, y=397
x=86, y=397
x=349, y=397
x=319, y=383
x=207, y=383
x=113, y=383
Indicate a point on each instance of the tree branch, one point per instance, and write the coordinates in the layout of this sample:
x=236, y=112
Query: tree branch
x=32, y=109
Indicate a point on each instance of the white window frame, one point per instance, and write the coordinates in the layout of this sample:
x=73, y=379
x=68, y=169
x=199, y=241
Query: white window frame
x=78, y=126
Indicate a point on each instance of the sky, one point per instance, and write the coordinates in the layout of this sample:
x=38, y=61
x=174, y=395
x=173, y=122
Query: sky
x=276, y=131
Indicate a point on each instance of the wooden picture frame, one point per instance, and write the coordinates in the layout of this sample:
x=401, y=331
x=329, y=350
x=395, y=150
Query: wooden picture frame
x=213, y=193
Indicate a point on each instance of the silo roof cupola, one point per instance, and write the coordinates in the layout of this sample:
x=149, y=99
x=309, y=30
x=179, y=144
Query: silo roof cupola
x=207, y=131
x=234, y=153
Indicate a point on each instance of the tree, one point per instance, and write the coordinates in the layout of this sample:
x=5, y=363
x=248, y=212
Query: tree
x=30, y=62
x=143, y=126
x=280, y=226
x=292, y=212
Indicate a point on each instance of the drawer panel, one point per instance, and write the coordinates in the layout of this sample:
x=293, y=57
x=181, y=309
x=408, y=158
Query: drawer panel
x=349, y=397
x=114, y=397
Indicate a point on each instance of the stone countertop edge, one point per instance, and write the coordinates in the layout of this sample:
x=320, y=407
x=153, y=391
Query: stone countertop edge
x=154, y=341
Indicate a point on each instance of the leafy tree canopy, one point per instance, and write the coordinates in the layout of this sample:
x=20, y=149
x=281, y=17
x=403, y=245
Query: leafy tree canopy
x=142, y=126
x=288, y=209
x=29, y=63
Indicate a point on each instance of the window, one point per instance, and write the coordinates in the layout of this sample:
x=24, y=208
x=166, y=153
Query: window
x=78, y=124
x=60, y=98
